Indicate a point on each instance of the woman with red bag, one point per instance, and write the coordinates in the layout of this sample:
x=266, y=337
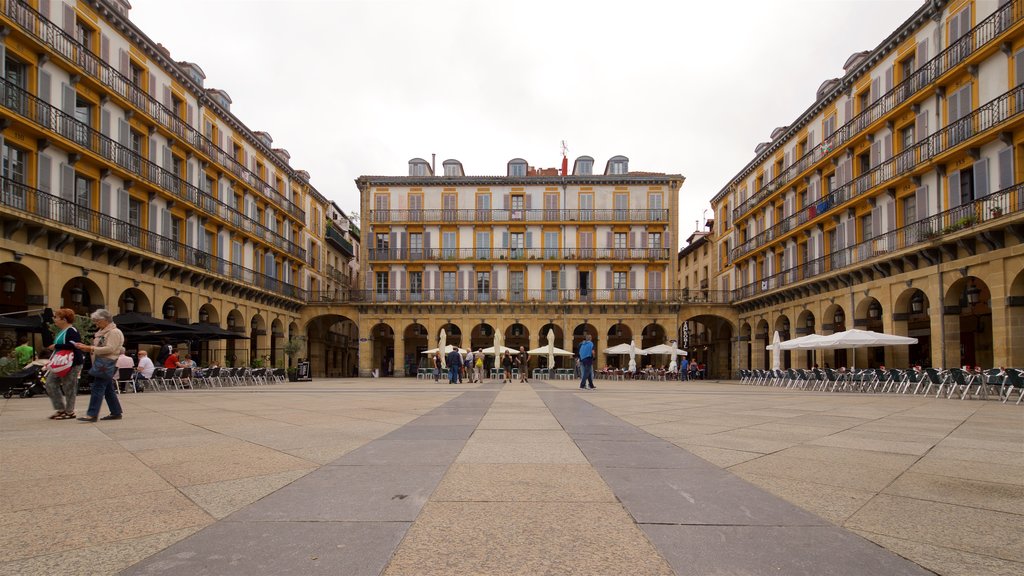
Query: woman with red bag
x=62, y=375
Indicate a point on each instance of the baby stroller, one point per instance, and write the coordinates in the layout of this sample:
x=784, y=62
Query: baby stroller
x=26, y=382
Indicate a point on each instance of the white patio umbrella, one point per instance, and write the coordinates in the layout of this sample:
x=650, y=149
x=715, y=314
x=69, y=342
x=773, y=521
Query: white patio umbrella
x=490, y=351
x=623, y=349
x=776, y=348
x=442, y=345
x=850, y=339
x=447, y=349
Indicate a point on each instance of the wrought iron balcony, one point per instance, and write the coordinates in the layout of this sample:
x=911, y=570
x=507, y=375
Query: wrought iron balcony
x=46, y=32
x=1000, y=205
x=54, y=120
x=472, y=216
x=338, y=239
x=979, y=37
x=66, y=215
x=531, y=297
x=515, y=254
x=1004, y=109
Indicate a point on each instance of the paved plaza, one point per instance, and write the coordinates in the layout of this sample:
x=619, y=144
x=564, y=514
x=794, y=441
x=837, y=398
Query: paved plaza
x=403, y=476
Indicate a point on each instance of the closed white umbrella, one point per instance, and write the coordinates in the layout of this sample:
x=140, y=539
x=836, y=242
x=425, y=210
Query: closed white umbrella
x=776, y=352
x=632, y=355
x=441, y=345
x=672, y=366
x=551, y=352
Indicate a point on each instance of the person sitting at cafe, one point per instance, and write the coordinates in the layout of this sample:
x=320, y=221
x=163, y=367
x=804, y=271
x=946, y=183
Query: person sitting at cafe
x=144, y=370
x=171, y=362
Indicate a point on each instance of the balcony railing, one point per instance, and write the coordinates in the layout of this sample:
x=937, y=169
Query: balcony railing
x=992, y=207
x=54, y=120
x=1000, y=111
x=452, y=215
x=48, y=33
x=335, y=236
x=977, y=38
x=64, y=214
x=472, y=295
x=517, y=254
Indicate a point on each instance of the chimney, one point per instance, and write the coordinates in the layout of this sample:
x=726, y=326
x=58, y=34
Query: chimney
x=433, y=163
x=565, y=165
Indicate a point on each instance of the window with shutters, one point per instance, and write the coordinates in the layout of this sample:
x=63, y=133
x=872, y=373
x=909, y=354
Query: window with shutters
x=177, y=107
x=83, y=189
x=516, y=245
x=958, y=111
x=516, y=203
x=866, y=232
x=449, y=245
x=449, y=205
x=483, y=207
x=516, y=169
x=382, y=245
x=381, y=283
x=416, y=284
x=15, y=74
x=416, y=246
x=551, y=211
x=83, y=115
x=654, y=240
x=483, y=245
x=959, y=25
x=551, y=285
x=175, y=233
x=483, y=284
x=449, y=283
x=14, y=170
x=620, y=245
x=655, y=203
x=86, y=36
x=586, y=206
x=829, y=127
x=415, y=207
x=622, y=206
x=381, y=207
x=550, y=245
x=619, y=281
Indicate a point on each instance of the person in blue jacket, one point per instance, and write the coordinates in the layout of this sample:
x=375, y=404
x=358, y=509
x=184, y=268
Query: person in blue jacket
x=454, y=364
x=587, y=363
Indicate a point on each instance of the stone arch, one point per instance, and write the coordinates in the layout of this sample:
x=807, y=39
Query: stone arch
x=761, y=339
x=911, y=317
x=208, y=314
x=517, y=335
x=81, y=295
x=967, y=315
x=277, y=337
x=416, y=338
x=578, y=335
x=784, y=327
x=333, y=347
x=806, y=323
x=559, y=340
x=454, y=335
x=382, y=340
x=868, y=316
x=174, y=309
x=481, y=336
x=713, y=346
x=258, y=354
x=746, y=345
x=835, y=319
x=26, y=290
x=134, y=300
x=618, y=333
x=1014, y=355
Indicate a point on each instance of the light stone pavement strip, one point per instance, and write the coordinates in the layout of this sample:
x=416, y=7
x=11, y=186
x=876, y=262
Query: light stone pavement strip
x=936, y=481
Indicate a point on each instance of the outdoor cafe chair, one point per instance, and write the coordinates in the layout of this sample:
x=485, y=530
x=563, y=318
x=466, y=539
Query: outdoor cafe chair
x=158, y=379
x=933, y=378
x=125, y=377
x=1014, y=379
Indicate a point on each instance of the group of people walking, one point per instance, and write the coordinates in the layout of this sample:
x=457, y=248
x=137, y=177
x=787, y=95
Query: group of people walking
x=471, y=365
x=68, y=357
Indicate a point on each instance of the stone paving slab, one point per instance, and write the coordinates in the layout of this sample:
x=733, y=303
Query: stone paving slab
x=774, y=550
x=281, y=548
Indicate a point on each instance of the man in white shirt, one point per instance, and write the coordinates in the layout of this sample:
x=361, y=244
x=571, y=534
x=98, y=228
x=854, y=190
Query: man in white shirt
x=144, y=371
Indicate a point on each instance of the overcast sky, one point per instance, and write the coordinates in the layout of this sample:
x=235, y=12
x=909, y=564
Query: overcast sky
x=358, y=87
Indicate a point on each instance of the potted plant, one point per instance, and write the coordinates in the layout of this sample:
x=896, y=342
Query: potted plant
x=291, y=348
x=996, y=211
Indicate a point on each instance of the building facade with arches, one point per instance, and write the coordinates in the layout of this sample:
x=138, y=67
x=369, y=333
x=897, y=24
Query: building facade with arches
x=127, y=184
x=893, y=203
x=527, y=252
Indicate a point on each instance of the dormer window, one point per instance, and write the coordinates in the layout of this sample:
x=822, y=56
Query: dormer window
x=584, y=166
x=453, y=168
x=419, y=167
x=618, y=165
x=517, y=168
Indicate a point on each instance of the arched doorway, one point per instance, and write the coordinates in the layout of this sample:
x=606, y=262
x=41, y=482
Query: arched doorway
x=517, y=335
x=619, y=333
x=21, y=296
x=805, y=324
x=783, y=327
x=1014, y=355
x=711, y=345
x=760, y=342
x=382, y=338
x=911, y=318
x=234, y=353
x=207, y=352
x=559, y=341
x=134, y=300
x=869, y=315
x=276, y=342
x=578, y=335
x=81, y=295
x=415, y=338
x=257, y=327
x=970, y=301
x=837, y=318
x=332, y=346
x=653, y=334
x=175, y=310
